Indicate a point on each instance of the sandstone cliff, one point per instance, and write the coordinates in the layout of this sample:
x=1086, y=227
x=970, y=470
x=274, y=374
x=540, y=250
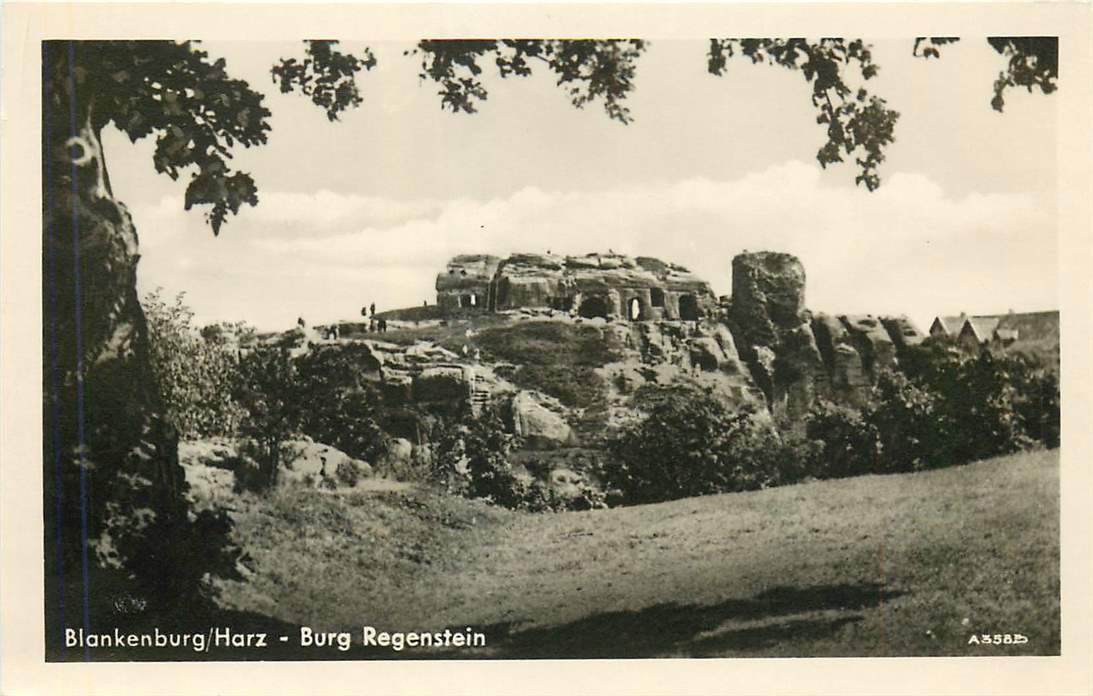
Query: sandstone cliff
x=762, y=350
x=595, y=285
x=796, y=357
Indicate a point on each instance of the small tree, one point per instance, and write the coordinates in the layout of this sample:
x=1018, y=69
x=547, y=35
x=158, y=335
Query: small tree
x=335, y=406
x=196, y=376
x=472, y=458
x=265, y=392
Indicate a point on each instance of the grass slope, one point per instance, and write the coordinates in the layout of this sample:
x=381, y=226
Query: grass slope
x=908, y=564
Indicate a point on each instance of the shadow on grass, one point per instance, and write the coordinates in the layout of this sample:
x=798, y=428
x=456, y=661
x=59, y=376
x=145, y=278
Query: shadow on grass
x=663, y=629
x=691, y=630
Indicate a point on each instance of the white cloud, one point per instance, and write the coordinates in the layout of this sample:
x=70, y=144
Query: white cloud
x=904, y=248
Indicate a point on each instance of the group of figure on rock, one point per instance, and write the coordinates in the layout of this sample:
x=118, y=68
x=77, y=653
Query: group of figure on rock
x=374, y=325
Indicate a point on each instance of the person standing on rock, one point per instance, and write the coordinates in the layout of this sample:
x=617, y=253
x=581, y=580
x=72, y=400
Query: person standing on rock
x=372, y=308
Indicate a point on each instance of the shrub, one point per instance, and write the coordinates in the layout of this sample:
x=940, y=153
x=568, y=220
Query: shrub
x=486, y=446
x=847, y=444
x=335, y=407
x=317, y=395
x=991, y=425
x=1039, y=406
x=541, y=497
x=691, y=444
x=472, y=459
x=348, y=473
x=265, y=391
x=980, y=400
x=196, y=377
x=909, y=423
x=945, y=409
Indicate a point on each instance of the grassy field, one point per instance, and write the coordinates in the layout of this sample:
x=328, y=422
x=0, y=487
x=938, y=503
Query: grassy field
x=910, y=564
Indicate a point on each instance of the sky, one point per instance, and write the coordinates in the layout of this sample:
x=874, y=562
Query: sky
x=369, y=209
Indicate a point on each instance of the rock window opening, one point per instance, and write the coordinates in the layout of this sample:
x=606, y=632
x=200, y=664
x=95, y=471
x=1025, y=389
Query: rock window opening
x=688, y=308
x=656, y=297
x=593, y=307
x=635, y=309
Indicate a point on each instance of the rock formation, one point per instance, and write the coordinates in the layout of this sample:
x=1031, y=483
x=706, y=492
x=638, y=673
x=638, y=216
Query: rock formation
x=760, y=350
x=466, y=281
x=903, y=332
x=595, y=285
x=215, y=470
x=774, y=332
x=796, y=357
x=538, y=421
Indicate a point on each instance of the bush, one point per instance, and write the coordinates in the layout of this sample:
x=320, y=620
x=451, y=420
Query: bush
x=335, y=407
x=992, y=403
x=316, y=395
x=196, y=377
x=472, y=459
x=910, y=425
x=847, y=444
x=691, y=444
x=265, y=391
x=541, y=497
x=952, y=409
x=1039, y=406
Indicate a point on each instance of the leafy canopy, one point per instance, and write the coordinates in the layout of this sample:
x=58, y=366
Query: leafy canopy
x=326, y=75
x=1032, y=61
x=199, y=113
x=195, y=109
x=587, y=69
x=858, y=123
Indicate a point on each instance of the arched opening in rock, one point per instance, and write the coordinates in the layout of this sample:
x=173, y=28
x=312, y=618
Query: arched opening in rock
x=474, y=299
x=656, y=297
x=688, y=308
x=634, y=309
x=593, y=307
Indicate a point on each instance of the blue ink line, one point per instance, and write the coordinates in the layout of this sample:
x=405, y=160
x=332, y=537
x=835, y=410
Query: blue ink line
x=79, y=354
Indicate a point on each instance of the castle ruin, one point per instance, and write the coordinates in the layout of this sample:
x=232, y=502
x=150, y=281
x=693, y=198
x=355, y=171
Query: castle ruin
x=611, y=286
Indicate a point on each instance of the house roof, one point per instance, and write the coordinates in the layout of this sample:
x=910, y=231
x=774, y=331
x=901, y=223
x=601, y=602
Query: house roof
x=1027, y=326
x=1030, y=333
x=982, y=326
x=952, y=325
x=1032, y=325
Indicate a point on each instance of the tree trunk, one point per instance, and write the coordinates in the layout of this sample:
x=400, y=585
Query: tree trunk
x=114, y=490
